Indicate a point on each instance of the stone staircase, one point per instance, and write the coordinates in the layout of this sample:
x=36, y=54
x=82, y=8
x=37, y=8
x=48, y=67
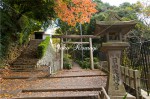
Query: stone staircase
x=28, y=59
x=67, y=84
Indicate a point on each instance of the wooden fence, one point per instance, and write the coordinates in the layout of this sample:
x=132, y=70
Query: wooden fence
x=131, y=79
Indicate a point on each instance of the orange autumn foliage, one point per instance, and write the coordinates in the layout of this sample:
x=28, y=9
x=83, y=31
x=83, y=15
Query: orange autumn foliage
x=75, y=11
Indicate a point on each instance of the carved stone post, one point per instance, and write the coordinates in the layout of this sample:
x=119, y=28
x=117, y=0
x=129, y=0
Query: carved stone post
x=115, y=86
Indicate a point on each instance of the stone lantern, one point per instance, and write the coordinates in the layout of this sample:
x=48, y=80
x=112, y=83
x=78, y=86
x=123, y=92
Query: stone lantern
x=113, y=31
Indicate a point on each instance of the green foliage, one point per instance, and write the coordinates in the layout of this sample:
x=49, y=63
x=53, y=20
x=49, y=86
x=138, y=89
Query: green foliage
x=42, y=47
x=67, y=61
x=21, y=38
x=125, y=97
x=66, y=29
x=96, y=59
x=39, y=10
x=85, y=64
x=91, y=27
x=1, y=66
x=96, y=62
x=19, y=18
x=126, y=11
x=126, y=61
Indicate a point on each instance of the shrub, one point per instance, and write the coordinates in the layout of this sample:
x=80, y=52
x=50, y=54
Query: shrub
x=96, y=59
x=79, y=62
x=86, y=63
x=96, y=65
x=67, y=61
x=96, y=62
x=42, y=47
x=21, y=38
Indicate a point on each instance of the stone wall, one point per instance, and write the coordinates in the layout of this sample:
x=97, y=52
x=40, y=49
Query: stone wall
x=51, y=58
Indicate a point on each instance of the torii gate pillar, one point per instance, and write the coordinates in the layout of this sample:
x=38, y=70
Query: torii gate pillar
x=91, y=54
x=62, y=54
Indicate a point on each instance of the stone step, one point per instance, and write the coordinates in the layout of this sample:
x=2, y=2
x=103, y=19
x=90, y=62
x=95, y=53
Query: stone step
x=24, y=63
x=22, y=70
x=60, y=95
x=22, y=67
x=27, y=57
x=66, y=89
x=35, y=41
x=63, y=97
x=49, y=76
x=76, y=76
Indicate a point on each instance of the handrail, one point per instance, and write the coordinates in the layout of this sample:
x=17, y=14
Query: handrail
x=105, y=93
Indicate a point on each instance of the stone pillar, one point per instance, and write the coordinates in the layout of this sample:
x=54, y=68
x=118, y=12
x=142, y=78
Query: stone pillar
x=115, y=86
x=62, y=54
x=91, y=54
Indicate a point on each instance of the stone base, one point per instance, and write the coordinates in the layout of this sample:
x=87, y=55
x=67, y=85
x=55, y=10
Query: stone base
x=129, y=96
x=144, y=94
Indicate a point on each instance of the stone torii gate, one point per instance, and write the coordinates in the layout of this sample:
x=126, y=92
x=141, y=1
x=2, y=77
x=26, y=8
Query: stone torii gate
x=90, y=37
